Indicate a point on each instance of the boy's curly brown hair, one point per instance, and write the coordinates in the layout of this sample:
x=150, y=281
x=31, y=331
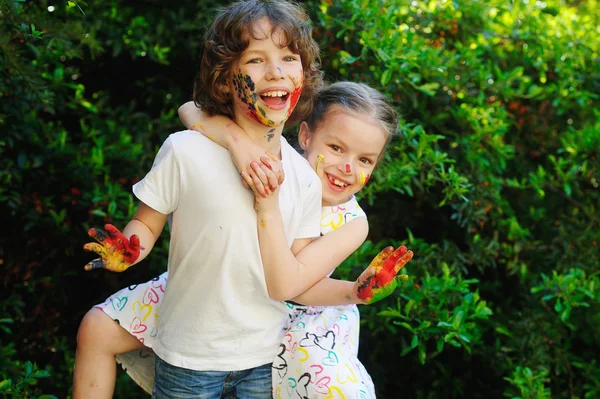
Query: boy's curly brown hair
x=227, y=38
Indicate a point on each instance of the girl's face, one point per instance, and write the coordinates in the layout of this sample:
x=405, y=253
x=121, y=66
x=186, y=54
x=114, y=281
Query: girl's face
x=266, y=80
x=343, y=150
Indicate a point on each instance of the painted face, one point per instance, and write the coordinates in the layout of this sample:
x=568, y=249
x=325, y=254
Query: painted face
x=343, y=150
x=266, y=80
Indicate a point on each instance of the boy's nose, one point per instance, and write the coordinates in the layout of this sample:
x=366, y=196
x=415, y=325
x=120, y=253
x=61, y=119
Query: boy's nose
x=274, y=71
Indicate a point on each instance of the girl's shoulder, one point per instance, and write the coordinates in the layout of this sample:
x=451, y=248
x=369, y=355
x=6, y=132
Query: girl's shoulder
x=332, y=217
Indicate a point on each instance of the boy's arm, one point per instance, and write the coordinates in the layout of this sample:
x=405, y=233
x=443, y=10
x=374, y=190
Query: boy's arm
x=119, y=251
x=223, y=131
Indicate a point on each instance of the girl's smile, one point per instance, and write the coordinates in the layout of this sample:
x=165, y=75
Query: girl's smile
x=343, y=150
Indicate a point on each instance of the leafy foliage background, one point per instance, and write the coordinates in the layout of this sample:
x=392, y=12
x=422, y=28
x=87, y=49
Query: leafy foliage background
x=492, y=181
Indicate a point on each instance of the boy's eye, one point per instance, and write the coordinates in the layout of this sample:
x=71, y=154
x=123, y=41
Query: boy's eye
x=335, y=148
x=254, y=61
x=366, y=161
x=290, y=58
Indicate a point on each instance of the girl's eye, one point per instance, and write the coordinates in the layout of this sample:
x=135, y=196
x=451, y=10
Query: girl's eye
x=254, y=61
x=290, y=58
x=335, y=148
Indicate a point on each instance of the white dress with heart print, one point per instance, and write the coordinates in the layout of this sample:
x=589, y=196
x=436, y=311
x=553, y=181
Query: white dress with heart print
x=318, y=355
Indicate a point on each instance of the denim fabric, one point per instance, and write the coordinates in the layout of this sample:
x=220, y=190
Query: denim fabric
x=173, y=382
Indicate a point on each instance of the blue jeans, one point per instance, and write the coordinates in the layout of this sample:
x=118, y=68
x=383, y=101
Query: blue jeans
x=171, y=382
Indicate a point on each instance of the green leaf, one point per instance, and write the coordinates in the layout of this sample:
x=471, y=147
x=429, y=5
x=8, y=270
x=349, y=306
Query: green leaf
x=422, y=353
x=440, y=344
x=386, y=76
x=567, y=188
x=429, y=88
x=415, y=341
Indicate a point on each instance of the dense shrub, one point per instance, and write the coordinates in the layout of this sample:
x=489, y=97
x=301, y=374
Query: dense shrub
x=492, y=181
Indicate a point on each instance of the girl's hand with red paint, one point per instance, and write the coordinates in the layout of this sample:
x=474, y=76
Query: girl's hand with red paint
x=381, y=278
x=117, y=253
x=264, y=183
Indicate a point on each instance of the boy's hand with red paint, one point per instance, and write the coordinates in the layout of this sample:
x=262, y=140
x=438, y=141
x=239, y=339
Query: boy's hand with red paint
x=381, y=278
x=117, y=253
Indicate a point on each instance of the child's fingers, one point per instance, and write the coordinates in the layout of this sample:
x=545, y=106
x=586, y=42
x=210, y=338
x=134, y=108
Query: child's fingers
x=260, y=179
x=95, y=264
x=113, y=232
x=400, y=263
x=97, y=235
x=271, y=177
x=381, y=256
x=95, y=247
x=275, y=166
x=390, y=262
x=250, y=183
x=134, y=244
x=247, y=180
x=267, y=162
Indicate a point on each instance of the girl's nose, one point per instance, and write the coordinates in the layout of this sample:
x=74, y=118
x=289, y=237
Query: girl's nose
x=346, y=167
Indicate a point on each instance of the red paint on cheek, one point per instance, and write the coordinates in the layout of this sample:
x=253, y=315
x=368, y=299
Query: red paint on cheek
x=294, y=97
x=347, y=168
x=367, y=179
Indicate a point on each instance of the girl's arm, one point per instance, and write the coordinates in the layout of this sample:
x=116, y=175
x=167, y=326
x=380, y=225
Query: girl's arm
x=223, y=131
x=375, y=283
x=220, y=129
x=329, y=292
x=289, y=273
x=119, y=251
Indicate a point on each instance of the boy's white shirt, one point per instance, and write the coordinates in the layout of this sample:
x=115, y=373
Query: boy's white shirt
x=216, y=314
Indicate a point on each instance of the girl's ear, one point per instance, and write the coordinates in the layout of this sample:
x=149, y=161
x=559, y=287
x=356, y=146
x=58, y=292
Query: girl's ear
x=304, y=136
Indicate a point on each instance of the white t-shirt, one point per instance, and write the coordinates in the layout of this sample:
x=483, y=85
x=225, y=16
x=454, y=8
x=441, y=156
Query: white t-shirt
x=217, y=314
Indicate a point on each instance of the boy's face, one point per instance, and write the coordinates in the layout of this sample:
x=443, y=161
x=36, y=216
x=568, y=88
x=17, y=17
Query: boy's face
x=343, y=150
x=266, y=80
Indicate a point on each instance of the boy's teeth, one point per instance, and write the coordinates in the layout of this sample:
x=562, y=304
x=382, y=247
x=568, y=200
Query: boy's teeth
x=275, y=94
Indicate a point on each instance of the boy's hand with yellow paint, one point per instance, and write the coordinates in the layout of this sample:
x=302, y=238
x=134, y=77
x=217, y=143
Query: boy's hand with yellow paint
x=117, y=252
x=381, y=278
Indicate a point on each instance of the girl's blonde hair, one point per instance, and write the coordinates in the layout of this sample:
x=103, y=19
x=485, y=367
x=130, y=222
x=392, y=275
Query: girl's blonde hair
x=354, y=98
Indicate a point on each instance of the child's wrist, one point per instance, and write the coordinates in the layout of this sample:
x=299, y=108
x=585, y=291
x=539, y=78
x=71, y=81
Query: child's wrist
x=268, y=212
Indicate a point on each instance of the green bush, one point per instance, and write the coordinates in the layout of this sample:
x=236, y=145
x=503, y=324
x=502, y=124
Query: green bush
x=492, y=181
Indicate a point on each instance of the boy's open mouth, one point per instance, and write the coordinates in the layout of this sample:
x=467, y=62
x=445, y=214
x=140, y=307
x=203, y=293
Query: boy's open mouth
x=275, y=97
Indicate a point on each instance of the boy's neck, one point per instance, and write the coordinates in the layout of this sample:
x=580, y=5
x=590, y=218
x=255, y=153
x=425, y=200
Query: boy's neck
x=264, y=136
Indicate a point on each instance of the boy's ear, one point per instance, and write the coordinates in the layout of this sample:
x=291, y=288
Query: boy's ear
x=224, y=87
x=304, y=136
